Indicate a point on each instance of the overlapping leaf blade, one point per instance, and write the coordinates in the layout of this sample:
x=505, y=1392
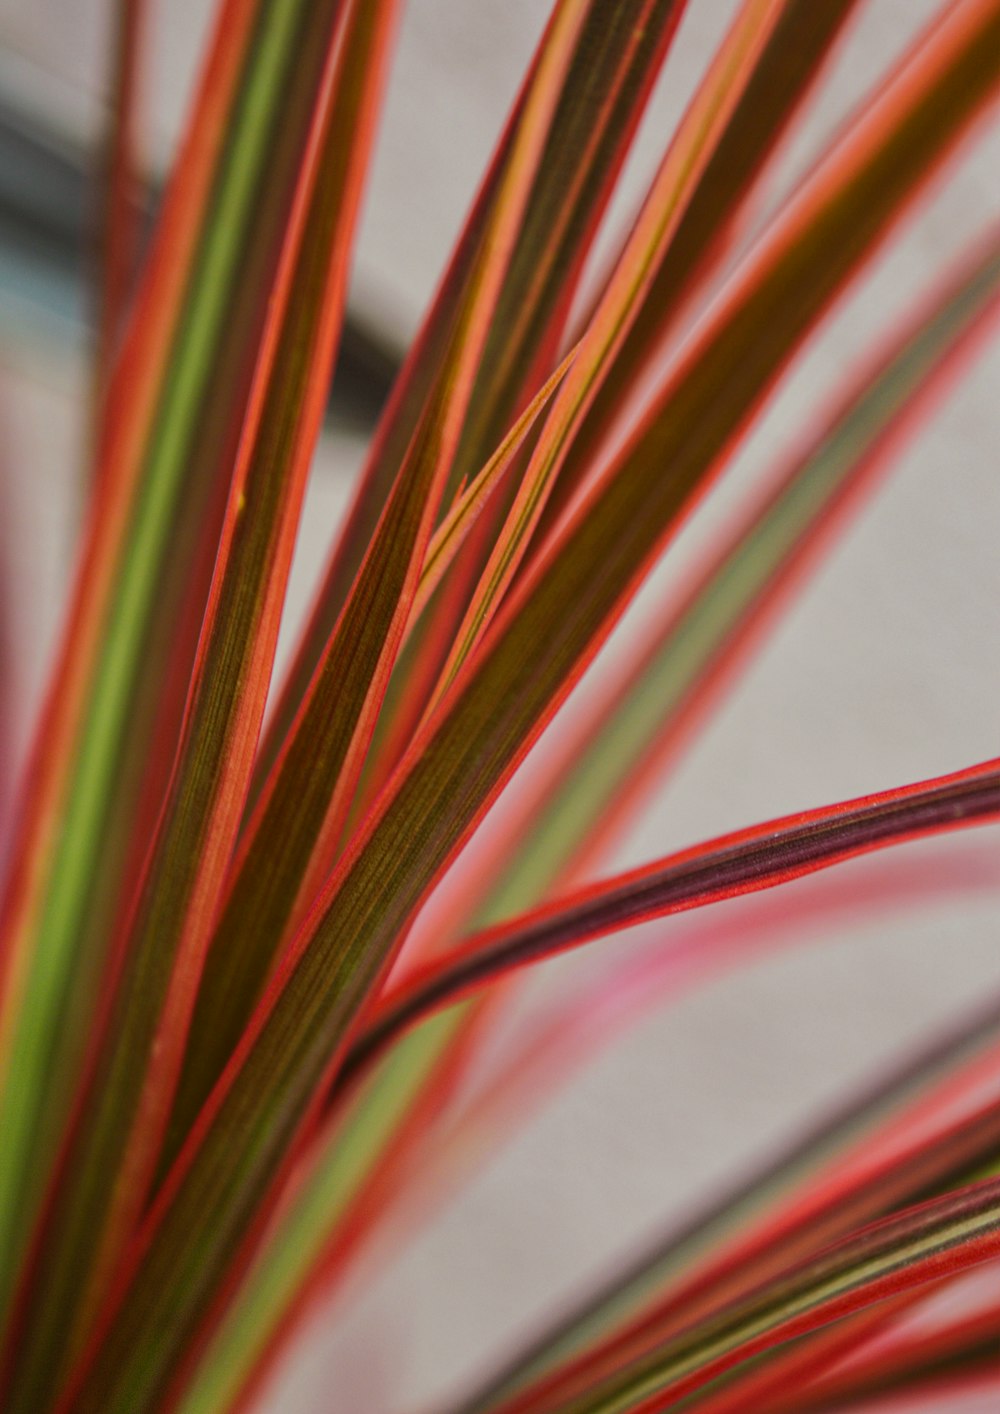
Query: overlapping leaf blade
x=340, y=1203
x=124, y=1110
x=296, y=828
x=629, y=288
x=170, y=425
x=902, y=1252
x=609, y=80
x=494, y=709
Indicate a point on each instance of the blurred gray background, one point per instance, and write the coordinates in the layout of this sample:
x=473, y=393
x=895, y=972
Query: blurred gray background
x=886, y=669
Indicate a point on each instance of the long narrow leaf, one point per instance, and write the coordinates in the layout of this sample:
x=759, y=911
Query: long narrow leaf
x=122, y=211
x=782, y=80
x=132, y=1080
x=310, y=1251
x=923, y=1244
x=169, y=427
x=497, y=706
x=757, y=859
x=291, y=839
x=629, y=287
x=619, y=54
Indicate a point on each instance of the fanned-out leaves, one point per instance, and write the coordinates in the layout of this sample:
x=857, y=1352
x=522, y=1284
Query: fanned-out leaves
x=800, y=41
x=240, y=1060
x=921, y=1245
x=219, y=1190
x=304, y=804
x=129, y=1090
x=582, y=796
x=628, y=289
x=609, y=79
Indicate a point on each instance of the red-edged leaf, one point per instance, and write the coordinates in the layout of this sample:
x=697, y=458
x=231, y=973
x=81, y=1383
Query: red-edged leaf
x=754, y=859
x=783, y=78
x=346, y=1217
x=164, y=458
x=120, y=1123
x=537, y=647
x=629, y=288
x=296, y=828
x=620, y=52
x=925, y=1244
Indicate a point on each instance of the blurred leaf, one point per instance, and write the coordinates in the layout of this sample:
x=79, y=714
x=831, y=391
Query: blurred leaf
x=629, y=1293
x=922, y=1244
x=122, y=223
x=968, y=1341
x=921, y=1170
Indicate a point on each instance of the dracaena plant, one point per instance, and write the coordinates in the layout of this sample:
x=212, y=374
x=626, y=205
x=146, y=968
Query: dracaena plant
x=230, y=1063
